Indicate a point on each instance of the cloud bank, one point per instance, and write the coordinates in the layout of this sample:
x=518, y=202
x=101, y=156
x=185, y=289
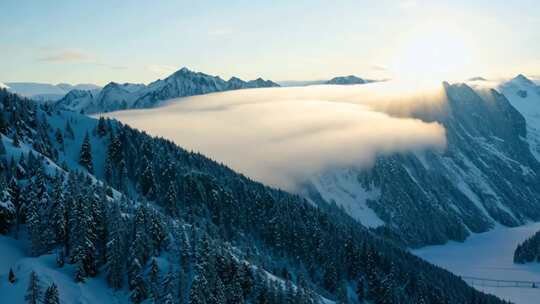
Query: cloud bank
x=283, y=136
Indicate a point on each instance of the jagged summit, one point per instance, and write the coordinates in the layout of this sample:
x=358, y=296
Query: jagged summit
x=522, y=79
x=182, y=83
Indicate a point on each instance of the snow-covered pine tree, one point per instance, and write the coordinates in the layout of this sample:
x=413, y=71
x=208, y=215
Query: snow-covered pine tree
x=2, y=146
x=218, y=295
x=154, y=281
x=83, y=253
x=16, y=141
x=33, y=291
x=11, y=276
x=59, y=137
x=198, y=291
x=115, y=249
x=33, y=222
x=85, y=158
x=58, y=216
x=171, y=199
x=101, y=128
x=139, y=292
x=158, y=233
x=52, y=296
x=7, y=208
x=168, y=285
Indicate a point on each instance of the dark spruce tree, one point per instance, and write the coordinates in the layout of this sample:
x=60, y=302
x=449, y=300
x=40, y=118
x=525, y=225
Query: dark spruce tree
x=85, y=158
x=52, y=296
x=33, y=291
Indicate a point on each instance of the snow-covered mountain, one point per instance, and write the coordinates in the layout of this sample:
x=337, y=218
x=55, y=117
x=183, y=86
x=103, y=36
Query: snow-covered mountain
x=105, y=213
x=343, y=80
x=182, y=83
x=488, y=175
x=524, y=94
x=46, y=91
x=351, y=79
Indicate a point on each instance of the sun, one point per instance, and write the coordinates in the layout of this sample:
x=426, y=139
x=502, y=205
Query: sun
x=433, y=51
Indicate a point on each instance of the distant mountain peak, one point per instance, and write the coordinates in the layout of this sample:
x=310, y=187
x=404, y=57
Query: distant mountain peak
x=350, y=79
x=184, y=70
x=182, y=83
x=477, y=78
x=522, y=79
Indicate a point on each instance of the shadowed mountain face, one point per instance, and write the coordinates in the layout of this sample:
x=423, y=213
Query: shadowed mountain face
x=487, y=175
x=182, y=83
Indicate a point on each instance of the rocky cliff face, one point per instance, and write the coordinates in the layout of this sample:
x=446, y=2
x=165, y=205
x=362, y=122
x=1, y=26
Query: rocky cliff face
x=487, y=175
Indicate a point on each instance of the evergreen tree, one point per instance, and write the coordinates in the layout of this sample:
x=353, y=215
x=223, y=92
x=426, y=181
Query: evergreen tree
x=168, y=286
x=7, y=208
x=101, y=128
x=85, y=158
x=115, y=259
x=16, y=141
x=59, y=137
x=139, y=292
x=2, y=147
x=33, y=222
x=155, y=280
x=170, y=203
x=198, y=291
x=219, y=293
x=360, y=289
x=58, y=218
x=33, y=292
x=84, y=249
x=52, y=295
x=11, y=276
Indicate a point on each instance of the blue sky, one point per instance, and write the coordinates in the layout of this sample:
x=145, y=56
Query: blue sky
x=124, y=41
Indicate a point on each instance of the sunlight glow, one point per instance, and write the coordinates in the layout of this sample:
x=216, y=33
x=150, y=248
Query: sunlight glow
x=434, y=51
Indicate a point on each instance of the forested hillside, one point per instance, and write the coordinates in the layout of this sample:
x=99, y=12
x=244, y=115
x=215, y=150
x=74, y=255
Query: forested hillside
x=164, y=225
x=529, y=250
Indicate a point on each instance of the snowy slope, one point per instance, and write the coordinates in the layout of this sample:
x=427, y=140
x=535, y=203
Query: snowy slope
x=46, y=91
x=488, y=175
x=490, y=255
x=524, y=95
x=14, y=254
x=345, y=189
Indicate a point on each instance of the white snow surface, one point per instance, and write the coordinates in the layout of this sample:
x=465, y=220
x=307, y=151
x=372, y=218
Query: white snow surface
x=343, y=187
x=524, y=95
x=13, y=253
x=31, y=89
x=490, y=255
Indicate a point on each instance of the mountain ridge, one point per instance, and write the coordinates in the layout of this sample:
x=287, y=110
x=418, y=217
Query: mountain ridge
x=182, y=83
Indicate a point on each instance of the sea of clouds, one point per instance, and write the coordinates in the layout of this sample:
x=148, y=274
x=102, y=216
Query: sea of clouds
x=283, y=136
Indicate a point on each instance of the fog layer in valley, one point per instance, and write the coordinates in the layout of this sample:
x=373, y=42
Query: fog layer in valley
x=282, y=136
